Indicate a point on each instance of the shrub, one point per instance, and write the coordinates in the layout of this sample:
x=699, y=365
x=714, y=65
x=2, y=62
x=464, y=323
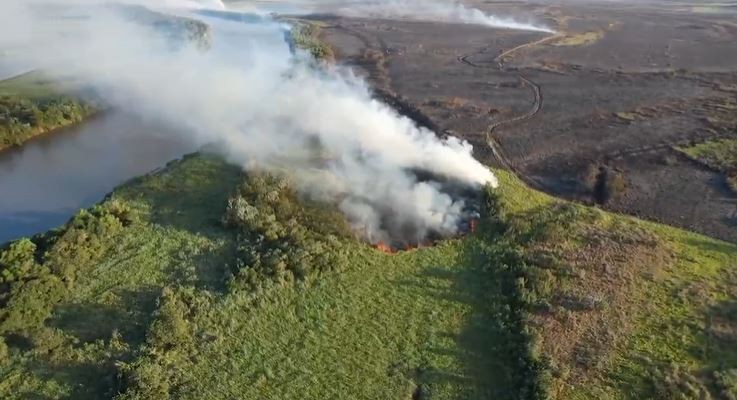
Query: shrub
x=21, y=117
x=306, y=36
x=609, y=185
x=86, y=237
x=675, y=383
x=170, y=338
x=30, y=304
x=726, y=383
x=18, y=262
x=170, y=328
x=4, y=352
x=280, y=236
x=143, y=380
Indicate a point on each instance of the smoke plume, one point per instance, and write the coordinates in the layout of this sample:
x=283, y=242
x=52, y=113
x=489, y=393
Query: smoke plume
x=433, y=10
x=262, y=105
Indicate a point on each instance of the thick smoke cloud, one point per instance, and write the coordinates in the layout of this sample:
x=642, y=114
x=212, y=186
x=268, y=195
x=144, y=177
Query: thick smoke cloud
x=261, y=105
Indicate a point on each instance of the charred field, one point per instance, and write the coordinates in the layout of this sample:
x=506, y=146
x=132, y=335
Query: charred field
x=617, y=89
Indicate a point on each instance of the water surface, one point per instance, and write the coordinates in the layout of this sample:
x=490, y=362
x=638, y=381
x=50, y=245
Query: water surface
x=44, y=182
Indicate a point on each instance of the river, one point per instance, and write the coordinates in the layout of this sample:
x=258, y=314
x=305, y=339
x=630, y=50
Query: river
x=45, y=181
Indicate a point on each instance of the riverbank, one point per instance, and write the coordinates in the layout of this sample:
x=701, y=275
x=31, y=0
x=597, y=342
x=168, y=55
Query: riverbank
x=34, y=104
x=47, y=179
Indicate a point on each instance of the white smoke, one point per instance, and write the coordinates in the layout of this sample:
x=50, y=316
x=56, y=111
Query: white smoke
x=450, y=11
x=265, y=108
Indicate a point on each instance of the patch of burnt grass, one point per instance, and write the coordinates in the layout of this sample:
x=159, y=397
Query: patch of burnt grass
x=406, y=108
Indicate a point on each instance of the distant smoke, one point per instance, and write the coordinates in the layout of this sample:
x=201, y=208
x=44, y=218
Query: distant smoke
x=433, y=10
x=265, y=108
x=205, y=4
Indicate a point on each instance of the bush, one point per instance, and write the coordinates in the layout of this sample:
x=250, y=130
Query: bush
x=4, y=352
x=280, y=236
x=306, y=36
x=86, y=237
x=170, y=338
x=170, y=328
x=675, y=383
x=18, y=262
x=33, y=284
x=144, y=380
x=726, y=383
x=30, y=304
x=21, y=118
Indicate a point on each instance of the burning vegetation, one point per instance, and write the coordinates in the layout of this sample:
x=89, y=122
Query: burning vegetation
x=413, y=234
x=269, y=205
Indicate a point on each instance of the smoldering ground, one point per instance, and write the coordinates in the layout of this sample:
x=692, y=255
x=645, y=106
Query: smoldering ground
x=262, y=105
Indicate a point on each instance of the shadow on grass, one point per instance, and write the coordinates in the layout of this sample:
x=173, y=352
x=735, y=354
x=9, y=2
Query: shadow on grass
x=489, y=346
x=89, y=322
x=189, y=194
x=99, y=378
x=722, y=335
x=86, y=365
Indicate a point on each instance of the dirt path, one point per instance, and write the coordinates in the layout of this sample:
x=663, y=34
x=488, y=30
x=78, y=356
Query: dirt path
x=537, y=102
x=376, y=66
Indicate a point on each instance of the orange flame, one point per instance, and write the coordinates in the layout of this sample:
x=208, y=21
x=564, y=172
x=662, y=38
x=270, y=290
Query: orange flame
x=381, y=246
x=472, y=225
x=384, y=247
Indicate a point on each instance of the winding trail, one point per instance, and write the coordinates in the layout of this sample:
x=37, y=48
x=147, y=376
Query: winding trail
x=380, y=75
x=537, y=103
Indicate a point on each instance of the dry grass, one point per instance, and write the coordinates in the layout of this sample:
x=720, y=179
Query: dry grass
x=594, y=299
x=579, y=39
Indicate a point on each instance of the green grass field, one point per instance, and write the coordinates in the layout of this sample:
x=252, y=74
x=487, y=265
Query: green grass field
x=634, y=309
x=168, y=289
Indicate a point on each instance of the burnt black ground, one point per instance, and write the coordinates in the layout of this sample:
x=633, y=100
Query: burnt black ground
x=653, y=77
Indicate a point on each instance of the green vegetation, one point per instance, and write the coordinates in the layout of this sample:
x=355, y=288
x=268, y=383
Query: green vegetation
x=720, y=154
x=179, y=31
x=78, y=300
x=33, y=104
x=310, y=312
x=306, y=36
x=621, y=308
x=202, y=282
